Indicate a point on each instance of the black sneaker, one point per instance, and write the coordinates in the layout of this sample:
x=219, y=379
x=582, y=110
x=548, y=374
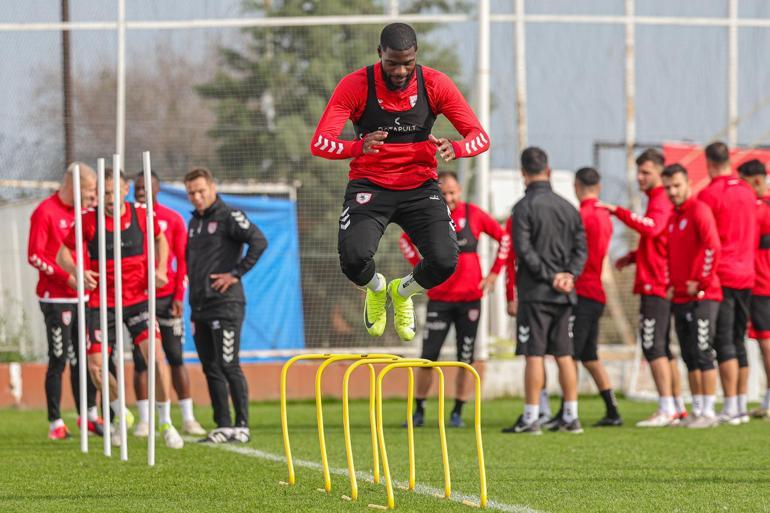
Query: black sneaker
x=532, y=428
x=418, y=419
x=553, y=423
x=573, y=427
x=218, y=436
x=608, y=421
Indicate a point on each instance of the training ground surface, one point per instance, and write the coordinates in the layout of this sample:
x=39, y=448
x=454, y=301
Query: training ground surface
x=612, y=470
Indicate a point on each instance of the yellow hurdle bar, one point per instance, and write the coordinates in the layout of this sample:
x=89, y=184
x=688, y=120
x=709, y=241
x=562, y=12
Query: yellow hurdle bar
x=410, y=393
x=319, y=403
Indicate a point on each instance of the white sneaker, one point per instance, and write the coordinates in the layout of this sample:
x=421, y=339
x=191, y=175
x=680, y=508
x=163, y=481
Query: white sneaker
x=171, y=436
x=703, y=422
x=658, y=419
x=115, y=435
x=219, y=436
x=241, y=434
x=745, y=417
x=192, y=427
x=724, y=418
x=142, y=429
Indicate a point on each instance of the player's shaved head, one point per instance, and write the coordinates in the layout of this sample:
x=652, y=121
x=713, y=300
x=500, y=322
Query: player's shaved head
x=87, y=185
x=399, y=37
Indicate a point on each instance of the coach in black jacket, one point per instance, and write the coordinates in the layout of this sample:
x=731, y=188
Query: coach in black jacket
x=550, y=246
x=215, y=264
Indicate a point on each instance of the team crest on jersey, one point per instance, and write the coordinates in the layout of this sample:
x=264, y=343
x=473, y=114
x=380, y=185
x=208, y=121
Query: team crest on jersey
x=682, y=224
x=473, y=314
x=163, y=225
x=63, y=224
x=413, y=100
x=66, y=318
x=363, y=198
x=461, y=223
x=212, y=227
x=98, y=335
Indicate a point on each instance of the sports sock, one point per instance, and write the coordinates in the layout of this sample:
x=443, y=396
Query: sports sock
x=610, y=402
x=56, y=423
x=187, y=409
x=545, y=406
x=766, y=400
x=93, y=414
x=143, y=405
x=419, y=405
x=709, y=402
x=570, y=411
x=667, y=405
x=115, y=405
x=531, y=413
x=697, y=405
x=679, y=402
x=458, y=409
x=409, y=286
x=730, y=406
x=376, y=284
x=743, y=403
x=164, y=413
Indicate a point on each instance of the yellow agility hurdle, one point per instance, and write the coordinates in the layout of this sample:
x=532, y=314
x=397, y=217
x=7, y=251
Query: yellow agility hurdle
x=319, y=404
x=410, y=392
x=372, y=417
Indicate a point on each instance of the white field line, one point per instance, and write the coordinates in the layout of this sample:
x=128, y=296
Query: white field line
x=367, y=476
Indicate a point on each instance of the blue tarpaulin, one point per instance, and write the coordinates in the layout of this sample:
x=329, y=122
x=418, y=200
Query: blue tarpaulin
x=273, y=288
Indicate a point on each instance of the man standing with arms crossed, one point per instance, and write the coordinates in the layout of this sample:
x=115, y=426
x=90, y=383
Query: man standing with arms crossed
x=169, y=307
x=733, y=204
x=393, y=105
x=215, y=265
x=550, y=247
x=693, y=256
x=457, y=300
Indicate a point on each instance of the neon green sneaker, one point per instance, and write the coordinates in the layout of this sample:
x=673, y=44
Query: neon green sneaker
x=375, y=317
x=403, y=312
x=129, y=419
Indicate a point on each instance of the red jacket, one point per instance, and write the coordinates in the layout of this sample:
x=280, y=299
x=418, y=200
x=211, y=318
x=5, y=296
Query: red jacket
x=396, y=166
x=510, y=265
x=49, y=225
x=651, y=256
x=598, y=227
x=693, y=252
x=173, y=227
x=733, y=204
x=762, y=256
x=463, y=285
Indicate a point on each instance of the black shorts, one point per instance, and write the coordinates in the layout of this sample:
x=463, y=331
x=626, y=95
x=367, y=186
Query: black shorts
x=171, y=335
x=695, y=324
x=654, y=326
x=136, y=319
x=760, y=316
x=61, y=326
x=731, y=326
x=441, y=315
x=585, y=329
x=544, y=328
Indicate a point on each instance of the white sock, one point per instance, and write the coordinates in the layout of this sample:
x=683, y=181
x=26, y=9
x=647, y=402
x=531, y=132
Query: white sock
x=730, y=406
x=545, y=406
x=56, y=423
x=115, y=405
x=144, y=410
x=187, y=409
x=377, y=283
x=164, y=413
x=766, y=400
x=697, y=405
x=570, y=411
x=680, y=407
x=709, y=403
x=531, y=413
x=409, y=286
x=743, y=403
x=93, y=414
x=666, y=405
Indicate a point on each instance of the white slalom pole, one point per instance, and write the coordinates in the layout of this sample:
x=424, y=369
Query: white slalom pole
x=116, y=228
x=150, y=304
x=82, y=359
x=103, y=326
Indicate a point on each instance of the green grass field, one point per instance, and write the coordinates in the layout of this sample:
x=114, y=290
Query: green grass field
x=609, y=470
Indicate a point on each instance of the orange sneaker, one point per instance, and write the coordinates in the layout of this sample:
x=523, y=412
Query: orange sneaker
x=59, y=433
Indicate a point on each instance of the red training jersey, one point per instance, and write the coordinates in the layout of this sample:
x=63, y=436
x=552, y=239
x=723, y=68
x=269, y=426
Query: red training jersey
x=134, y=253
x=762, y=256
x=651, y=256
x=598, y=227
x=396, y=166
x=463, y=284
x=693, y=252
x=510, y=265
x=173, y=227
x=733, y=203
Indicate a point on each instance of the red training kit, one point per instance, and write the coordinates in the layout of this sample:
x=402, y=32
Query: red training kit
x=173, y=227
x=397, y=166
x=762, y=257
x=510, y=265
x=693, y=252
x=598, y=227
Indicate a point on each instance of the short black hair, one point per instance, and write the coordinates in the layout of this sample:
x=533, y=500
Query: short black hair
x=534, y=161
x=650, y=155
x=673, y=169
x=153, y=174
x=447, y=174
x=752, y=167
x=587, y=176
x=398, y=36
x=718, y=153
